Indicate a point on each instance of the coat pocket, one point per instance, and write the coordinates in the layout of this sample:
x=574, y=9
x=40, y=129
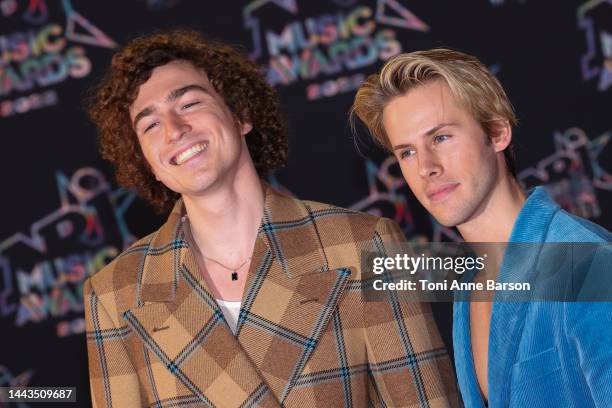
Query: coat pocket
x=537, y=382
x=536, y=366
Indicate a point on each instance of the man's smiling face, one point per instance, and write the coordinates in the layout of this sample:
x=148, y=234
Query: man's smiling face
x=188, y=135
x=444, y=153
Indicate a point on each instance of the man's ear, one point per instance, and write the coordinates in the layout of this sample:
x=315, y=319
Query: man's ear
x=502, y=135
x=245, y=127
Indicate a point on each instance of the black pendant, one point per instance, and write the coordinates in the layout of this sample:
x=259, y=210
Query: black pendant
x=234, y=275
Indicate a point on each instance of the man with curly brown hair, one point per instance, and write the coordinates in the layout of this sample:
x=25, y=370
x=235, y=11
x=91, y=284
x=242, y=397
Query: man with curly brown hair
x=245, y=296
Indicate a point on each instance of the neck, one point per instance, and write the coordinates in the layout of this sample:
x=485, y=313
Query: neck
x=224, y=222
x=494, y=222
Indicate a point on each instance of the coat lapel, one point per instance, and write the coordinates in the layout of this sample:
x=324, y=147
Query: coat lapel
x=507, y=322
x=179, y=321
x=290, y=293
x=520, y=264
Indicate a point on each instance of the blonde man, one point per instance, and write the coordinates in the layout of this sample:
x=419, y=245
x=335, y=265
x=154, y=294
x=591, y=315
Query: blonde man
x=448, y=121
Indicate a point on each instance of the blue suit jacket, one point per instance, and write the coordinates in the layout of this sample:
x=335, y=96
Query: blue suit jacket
x=542, y=354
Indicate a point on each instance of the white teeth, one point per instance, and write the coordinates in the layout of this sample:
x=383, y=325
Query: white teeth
x=189, y=153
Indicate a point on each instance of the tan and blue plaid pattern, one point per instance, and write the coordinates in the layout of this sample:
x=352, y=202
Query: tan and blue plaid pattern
x=305, y=337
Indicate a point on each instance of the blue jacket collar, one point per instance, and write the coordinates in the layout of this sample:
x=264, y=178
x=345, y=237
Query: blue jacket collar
x=534, y=218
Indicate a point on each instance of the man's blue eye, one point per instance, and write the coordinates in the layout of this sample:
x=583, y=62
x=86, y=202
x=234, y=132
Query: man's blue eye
x=441, y=138
x=406, y=153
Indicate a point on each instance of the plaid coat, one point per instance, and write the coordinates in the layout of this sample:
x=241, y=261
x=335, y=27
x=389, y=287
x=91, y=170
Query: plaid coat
x=305, y=337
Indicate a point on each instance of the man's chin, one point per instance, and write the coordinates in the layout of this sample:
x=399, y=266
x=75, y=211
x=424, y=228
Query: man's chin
x=447, y=221
x=448, y=224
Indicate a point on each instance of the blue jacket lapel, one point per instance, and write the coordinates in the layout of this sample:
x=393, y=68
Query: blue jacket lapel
x=519, y=265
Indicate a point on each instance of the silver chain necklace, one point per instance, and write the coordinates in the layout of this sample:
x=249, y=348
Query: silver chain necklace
x=192, y=240
x=233, y=270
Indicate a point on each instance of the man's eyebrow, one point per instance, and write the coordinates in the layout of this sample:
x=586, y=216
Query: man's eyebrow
x=172, y=96
x=401, y=146
x=428, y=133
x=177, y=93
x=438, y=127
x=141, y=115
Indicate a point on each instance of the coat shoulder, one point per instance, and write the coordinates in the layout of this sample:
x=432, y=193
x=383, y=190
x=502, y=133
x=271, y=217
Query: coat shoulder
x=122, y=274
x=362, y=226
x=336, y=215
x=566, y=227
x=346, y=235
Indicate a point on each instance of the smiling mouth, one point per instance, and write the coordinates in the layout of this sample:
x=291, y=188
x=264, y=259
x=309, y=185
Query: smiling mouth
x=185, y=155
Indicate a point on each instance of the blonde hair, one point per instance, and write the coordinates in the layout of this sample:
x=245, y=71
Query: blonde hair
x=472, y=85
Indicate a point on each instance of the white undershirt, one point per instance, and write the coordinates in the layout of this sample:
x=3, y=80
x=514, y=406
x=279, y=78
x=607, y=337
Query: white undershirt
x=231, y=310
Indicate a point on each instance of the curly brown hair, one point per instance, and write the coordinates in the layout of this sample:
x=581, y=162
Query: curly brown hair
x=237, y=79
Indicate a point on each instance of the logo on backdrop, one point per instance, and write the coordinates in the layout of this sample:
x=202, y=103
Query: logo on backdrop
x=160, y=5
x=573, y=172
x=596, y=63
x=43, y=54
x=42, y=270
x=502, y=2
x=327, y=50
x=8, y=380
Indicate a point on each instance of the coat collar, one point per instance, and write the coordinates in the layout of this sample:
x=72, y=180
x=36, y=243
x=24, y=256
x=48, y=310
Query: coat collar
x=288, y=264
x=282, y=215
x=527, y=236
x=533, y=220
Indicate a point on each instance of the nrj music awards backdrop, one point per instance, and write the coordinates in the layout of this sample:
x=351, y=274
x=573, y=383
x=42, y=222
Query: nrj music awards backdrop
x=63, y=217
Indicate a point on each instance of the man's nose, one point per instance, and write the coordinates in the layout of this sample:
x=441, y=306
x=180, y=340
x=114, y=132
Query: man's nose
x=176, y=127
x=429, y=164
